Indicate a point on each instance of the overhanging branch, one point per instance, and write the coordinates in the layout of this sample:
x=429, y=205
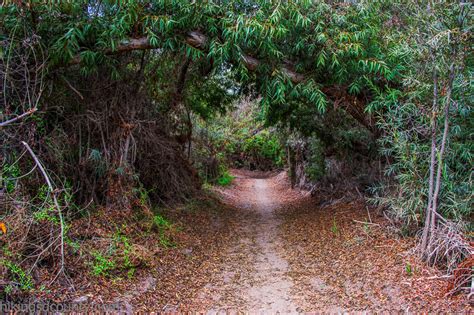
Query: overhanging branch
x=196, y=39
x=131, y=44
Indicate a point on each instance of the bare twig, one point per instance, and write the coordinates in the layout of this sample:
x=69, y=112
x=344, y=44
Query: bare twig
x=369, y=223
x=443, y=277
x=56, y=203
x=73, y=88
x=7, y=122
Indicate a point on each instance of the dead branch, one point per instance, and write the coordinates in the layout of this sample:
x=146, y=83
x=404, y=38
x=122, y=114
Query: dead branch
x=7, y=122
x=73, y=88
x=55, y=200
x=368, y=223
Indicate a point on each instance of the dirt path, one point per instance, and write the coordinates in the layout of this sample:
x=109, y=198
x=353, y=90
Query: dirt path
x=295, y=254
x=255, y=277
x=267, y=248
x=273, y=290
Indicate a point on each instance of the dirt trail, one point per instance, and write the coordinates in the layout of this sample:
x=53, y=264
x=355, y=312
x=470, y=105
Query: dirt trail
x=296, y=254
x=255, y=277
x=270, y=249
x=273, y=291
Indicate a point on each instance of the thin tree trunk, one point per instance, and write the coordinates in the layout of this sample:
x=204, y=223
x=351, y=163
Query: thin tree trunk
x=124, y=157
x=190, y=132
x=428, y=213
x=434, y=200
x=291, y=164
x=441, y=151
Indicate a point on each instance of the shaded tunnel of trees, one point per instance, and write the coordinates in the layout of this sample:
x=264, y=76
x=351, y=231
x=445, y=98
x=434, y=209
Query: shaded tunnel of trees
x=119, y=104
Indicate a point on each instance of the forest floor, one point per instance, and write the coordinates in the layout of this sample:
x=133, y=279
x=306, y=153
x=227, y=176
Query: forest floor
x=269, y=248
x=297, y=253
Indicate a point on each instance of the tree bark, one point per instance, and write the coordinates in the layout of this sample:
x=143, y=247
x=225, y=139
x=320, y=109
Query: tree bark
x=292, y=165
x=180, y=83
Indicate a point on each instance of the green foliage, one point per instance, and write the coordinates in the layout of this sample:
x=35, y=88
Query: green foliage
x=408, y=269
x=366, y=228
x=47, y=210
x=362, y=62
x=263, y=145
x=163, y=225
x=333, y=45
x=143, y=196
x=432, y=41
x=102, y=265
x=118, y=257
x=340, y=42
x=21, y=278
x=44, y=208
x=242, y=140
x=9, y=175
x=225, y=179
x=122, y=242
x=334, y=227
x=316, y=167
x=211, y=97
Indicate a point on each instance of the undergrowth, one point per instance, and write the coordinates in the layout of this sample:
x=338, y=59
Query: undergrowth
x=225, y=179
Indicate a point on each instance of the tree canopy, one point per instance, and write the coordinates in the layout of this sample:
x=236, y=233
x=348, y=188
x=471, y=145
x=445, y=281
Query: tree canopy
x=123, y=104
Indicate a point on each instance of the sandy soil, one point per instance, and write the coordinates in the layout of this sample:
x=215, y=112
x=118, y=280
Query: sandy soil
x=259, y=283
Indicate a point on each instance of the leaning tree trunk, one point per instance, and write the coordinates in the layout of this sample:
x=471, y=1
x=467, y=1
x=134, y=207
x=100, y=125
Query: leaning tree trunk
x=428, y=213
x=434, y=206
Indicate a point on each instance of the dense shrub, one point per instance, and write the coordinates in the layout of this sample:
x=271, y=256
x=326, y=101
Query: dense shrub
x=430, y=111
